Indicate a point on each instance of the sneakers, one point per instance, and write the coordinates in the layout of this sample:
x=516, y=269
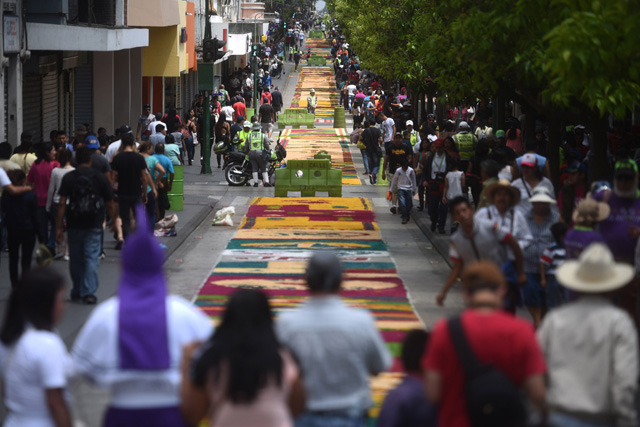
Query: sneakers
x=433, y=226
x=420, y=208
x=266, y=184
x=66, y=257
x=90, y=300
x=371, y=179
x=118, y=245
x=406, y=220
x=102, y=255
x=394, y=210
x=255, y=185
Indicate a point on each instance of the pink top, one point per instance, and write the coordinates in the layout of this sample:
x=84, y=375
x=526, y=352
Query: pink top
x=40, y=177
x=268, y=410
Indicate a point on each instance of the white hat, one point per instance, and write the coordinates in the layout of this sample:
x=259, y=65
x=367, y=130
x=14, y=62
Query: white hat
x=529, y=159
x=595, y=271
x=409, y=123
x=246, y=124
x=542, y=195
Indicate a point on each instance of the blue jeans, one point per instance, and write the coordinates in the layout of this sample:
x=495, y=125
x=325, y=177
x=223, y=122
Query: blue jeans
x=316, y=420
x=351, y=98
x=564, y=420
x=374, y=164
x=84, y=253
x=405, y=200
x=365, y=161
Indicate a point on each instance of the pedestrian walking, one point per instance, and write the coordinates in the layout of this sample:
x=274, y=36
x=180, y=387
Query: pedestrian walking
x=407, y=404
x=404, y=183
x=132, y=344
x=39, y=177
x=455, y=185
x=599, y=386
x=484, y=333
x=336, y=378
x=53, y=196
x=394, y=153
x=89, y=195
x=243, y=375
x=36, y=366
x=19, y=218
x=372, y=138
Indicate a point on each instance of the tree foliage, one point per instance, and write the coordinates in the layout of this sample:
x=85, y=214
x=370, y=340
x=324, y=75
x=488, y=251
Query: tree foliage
x=549, y=55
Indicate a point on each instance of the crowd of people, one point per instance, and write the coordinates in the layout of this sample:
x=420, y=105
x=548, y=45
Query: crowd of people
x=566, y=253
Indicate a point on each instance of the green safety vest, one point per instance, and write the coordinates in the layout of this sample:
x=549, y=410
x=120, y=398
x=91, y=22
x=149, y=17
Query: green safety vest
x=291, y=49
x=241, y=135
x=465, y=145
x=255, y=141
x=414, y=138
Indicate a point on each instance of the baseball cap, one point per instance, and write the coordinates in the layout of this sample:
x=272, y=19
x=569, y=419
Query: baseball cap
x=246, y=124
x=529, y=159
x=463, y=125
x=81, y=130
x=438, y=143
x=409, y=123
x=91, y=142
x=124, y=129
x=501, y=134
x=577, y=167
x=626, y=167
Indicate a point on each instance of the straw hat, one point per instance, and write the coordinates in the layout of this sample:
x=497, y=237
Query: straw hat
x=590, y=211
x=595, y=271
x=503, y=184
x=542, y=195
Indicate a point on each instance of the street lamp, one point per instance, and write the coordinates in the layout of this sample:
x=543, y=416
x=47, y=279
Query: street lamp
x=255, y=58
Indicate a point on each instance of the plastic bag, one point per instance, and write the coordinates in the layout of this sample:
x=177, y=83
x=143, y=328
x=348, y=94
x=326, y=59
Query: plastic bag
x=223, y=216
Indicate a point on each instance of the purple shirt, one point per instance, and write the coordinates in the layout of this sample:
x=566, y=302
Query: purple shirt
x=615, y=229
x=578, y=238
x=407, y=406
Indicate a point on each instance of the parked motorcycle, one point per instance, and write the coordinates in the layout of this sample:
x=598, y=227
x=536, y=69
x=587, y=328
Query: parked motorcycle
x=238, y=171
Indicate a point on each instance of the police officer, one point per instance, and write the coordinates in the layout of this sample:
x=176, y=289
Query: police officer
x=466, y=143
x=254, y=145
x=312, y=101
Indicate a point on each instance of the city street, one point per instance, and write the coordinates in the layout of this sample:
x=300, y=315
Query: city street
x=193, y=253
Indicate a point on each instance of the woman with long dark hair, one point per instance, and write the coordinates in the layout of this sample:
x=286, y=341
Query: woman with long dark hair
x=40, y=177
x=35, y=362
x=243, y=376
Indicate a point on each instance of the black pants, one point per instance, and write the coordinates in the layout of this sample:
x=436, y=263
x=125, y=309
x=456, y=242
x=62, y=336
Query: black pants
x=126, y=204
x=17, y=239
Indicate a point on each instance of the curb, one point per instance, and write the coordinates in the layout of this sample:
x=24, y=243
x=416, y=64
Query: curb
x=188, y=229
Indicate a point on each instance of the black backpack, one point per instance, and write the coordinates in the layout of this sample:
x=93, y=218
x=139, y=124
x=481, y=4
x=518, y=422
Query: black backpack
x=492, y=399
x=85, y=202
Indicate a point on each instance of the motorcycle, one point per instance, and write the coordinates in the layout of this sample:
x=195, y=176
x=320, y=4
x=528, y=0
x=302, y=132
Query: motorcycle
x=238, y=171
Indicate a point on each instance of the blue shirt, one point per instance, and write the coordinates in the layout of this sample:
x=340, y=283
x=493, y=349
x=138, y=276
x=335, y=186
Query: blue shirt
x=165, y=162
x=407, y=406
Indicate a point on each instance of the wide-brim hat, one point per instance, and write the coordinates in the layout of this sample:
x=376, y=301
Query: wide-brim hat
x=542, y=195
x=503, y=184
x=595, y=271
x=590, y=210
x=256, y=126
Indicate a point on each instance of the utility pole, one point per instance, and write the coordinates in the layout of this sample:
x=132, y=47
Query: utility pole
x=205, y=146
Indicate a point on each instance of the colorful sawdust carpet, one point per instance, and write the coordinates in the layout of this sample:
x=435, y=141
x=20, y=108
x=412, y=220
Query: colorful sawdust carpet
x=320, y=79
x=305, y=143
x=275, y=241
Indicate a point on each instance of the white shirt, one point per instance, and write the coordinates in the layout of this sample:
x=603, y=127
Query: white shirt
x=112, y=149
x=526, y=192
x=39, y=361
x=591, y=350
x=351, y=89
x=228, y=113
x=153, y=124
x=439, y=164
x=404, y=180
x=4, y=179
x=53, y=195
x=387, y=129
x=513, y=222
x=95, y=354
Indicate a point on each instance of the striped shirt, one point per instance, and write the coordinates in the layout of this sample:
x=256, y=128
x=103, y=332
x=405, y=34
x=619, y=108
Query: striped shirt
x=552, y=257
x=542, y=239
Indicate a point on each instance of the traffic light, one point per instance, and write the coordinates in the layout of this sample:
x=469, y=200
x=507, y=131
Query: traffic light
x=255, y=51
x=285, y=25
x=210, y=49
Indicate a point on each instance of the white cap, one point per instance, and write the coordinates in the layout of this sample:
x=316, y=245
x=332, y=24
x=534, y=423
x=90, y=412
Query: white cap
x=409, y=123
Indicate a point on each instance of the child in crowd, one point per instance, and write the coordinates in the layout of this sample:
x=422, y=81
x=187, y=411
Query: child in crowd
x=550, y=259
x=407, y=404
x=404, y=181
x=454, y=185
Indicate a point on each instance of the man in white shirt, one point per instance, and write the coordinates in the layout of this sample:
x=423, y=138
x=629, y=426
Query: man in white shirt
x=388, y=128
x=404, y=183
x=113, y=148
x=338, y=348
x=591, y=346
x=157, y=121
x=351, y=93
